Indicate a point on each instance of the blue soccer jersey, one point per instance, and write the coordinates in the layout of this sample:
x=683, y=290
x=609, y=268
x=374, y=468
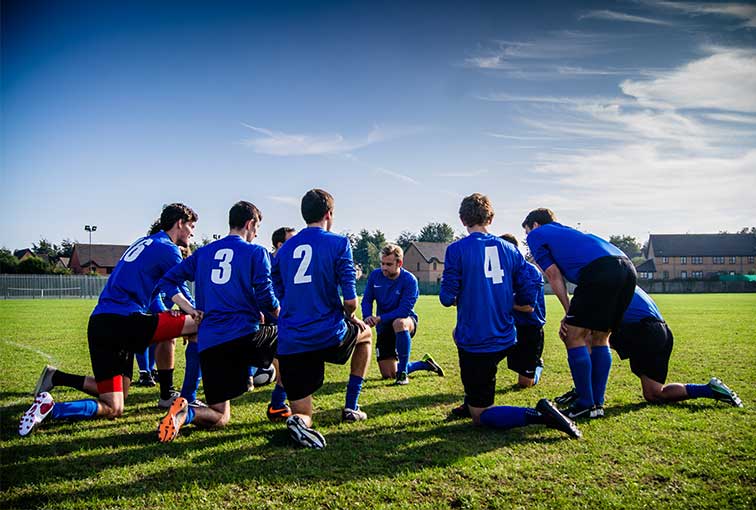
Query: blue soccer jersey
x=538, y=316
x=570, y=249
x=482, y=273
x=394, y=299
x=308, y=271
x=130, y=287
x=161, y=302
x=641, y=307
x=232, y=286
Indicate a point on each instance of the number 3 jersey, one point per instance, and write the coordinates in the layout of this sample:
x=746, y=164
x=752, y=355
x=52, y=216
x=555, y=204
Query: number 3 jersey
x=130, y=287
x=308, y=271
x=481, y=275
x=232, y=286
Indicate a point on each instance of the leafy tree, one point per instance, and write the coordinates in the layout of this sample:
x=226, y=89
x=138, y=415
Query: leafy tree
x=405, y=239
x=34, y=265
x=436, y=233
x=45, y=247
x=366, y=249
x=66, y=248
x=746, y=230
x=628, y=244
x=8, y=263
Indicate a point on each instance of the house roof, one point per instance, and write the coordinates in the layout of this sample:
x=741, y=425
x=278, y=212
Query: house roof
x=675, y=245
x=103, y=255
x=431, y=251
x=648, y=266
x=20, y=253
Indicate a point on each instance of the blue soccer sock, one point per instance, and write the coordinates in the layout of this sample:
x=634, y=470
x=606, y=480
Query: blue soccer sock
x=278, y=397
x=142, y=361
x=189, y=415
x=579, y=360
x=252, y=371
x=601, y=365
x=507, y=417
x=192, y=373
x=403, y=348
x=354, y=387
x=78, y=409
x=414, y=366
x=699, y=391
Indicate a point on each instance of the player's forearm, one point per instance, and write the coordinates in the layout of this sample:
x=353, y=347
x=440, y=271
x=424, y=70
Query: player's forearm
x=560, y=290
x=350, y=306
x=183, y=303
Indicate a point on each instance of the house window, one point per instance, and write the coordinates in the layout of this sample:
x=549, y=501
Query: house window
x=665, y=260
x=750, y=260
x=683, y=274
x=717, y=260
x=683, y=260
x=696, y=260
x=666, y=275
x=698, y=275
x=733, y=260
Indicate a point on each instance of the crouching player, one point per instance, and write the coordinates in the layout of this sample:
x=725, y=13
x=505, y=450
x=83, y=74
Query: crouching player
x=647, y=341
x=120, y=326
x=481, y=275
x=232, y=287
x=395, y=291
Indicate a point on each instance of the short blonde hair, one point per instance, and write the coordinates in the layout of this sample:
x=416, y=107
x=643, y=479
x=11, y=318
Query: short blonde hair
x=393, y=249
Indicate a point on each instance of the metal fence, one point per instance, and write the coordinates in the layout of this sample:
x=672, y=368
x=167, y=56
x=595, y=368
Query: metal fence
x=50, y=286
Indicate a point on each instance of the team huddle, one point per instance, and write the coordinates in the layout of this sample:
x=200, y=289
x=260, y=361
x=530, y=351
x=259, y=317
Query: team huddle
x=294, y=310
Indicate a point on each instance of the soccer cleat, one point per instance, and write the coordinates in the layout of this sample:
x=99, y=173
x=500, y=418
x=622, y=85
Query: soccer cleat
x=556, y=420
x=401, y=379
x=42, y=406
x=723, y=393
x=435, y=367
x=169, y=426
x=277, y=415
x=197, y=403
x=567, y=399
x=44, y=383
x=145, y=379
x=461, y=411
x=576, y=412
x=352, y=415
x=597, y=411
x=304, y=435
x=165, y=403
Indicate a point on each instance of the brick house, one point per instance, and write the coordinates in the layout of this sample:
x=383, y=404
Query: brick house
x=103, y=260
x=425, y=260
x=698, y=256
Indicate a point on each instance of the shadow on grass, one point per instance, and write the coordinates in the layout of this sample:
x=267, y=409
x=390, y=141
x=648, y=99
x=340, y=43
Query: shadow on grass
x=355, y=451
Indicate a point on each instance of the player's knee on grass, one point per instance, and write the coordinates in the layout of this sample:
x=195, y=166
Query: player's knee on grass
x=404, y=324
x=387, y=368
x=525, y=382
x=653, y=391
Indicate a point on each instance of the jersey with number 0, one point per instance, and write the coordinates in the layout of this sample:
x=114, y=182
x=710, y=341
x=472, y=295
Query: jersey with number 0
x=538, y=316
x=641, y=307
x=395, y=299
x=232, y=286
x=481, y=275
x=570, y=249
x=130, y=287
x=308, y=271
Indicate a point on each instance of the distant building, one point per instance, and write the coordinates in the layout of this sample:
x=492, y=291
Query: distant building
x=698, y=256
x=425, y=260
x=23, y=254
x=103, y=260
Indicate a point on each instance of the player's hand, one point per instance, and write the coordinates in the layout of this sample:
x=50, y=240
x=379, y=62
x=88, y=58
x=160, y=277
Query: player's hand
x=372, y=321
x=176, y=313
x=197, y=315
x=563, y=330
x=190, y=338
x=357, y=322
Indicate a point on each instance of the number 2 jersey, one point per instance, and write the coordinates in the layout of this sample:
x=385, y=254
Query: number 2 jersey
x=131, y=285
x=308, y=271
x=232, y=286
x=481, y=275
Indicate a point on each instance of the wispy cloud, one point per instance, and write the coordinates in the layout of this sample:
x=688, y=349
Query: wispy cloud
x=466, y=173
x=621, y=16
x=519, y=137
x=741, y=11
x=396, y=175
x=731, y=117
x=284, y=200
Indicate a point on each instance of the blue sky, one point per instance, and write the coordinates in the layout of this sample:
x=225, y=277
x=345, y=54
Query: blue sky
x=624, y=117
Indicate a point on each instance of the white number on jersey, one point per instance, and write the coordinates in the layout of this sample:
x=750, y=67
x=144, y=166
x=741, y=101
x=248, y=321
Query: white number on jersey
x=492, y=266
x=222, y=274
x=304, y=252
x=133, y=252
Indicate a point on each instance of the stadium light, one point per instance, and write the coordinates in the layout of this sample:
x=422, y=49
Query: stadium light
x=90, y=229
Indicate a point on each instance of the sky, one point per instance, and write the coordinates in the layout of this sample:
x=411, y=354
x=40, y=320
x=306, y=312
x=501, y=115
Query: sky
x=624, y=117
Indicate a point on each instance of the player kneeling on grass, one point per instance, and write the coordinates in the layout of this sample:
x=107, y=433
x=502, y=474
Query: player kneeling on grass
x=647, y=341
x=120, y=326
x=315, y=327
x=232, y=287
x=482, y=274
x=395, y=292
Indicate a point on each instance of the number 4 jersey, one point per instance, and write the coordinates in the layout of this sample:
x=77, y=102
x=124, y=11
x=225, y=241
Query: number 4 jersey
x=130, y=287
x=308, y=271
x=481, y=275
x=232, y=286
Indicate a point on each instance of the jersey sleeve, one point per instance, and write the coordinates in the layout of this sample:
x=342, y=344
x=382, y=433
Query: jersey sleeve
x=171, y=282
x=346, y=273
x=451, y=279
x=367, y=298
x=525, y=281
x=275, y=275
x=262, y=283
x=410, y=292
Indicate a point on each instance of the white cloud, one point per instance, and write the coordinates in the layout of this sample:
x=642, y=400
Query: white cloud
x=285, y=200
x=745, y=12
x=395, y=175
x=464, y=173
x=620, y=16
x=731, y=117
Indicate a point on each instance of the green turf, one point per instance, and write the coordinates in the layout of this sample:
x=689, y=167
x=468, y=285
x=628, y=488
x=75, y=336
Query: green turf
x=695, y=454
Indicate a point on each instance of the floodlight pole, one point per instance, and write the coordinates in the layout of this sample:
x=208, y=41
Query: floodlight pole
x=90, y=229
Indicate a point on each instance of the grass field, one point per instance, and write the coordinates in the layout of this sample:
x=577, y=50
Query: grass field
x=695, y=454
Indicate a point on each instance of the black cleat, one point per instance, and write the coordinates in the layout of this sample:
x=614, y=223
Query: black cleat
x=556, y=420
